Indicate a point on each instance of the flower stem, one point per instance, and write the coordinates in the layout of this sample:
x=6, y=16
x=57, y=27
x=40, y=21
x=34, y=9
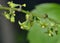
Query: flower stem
x=21, y=10
x=15, y=9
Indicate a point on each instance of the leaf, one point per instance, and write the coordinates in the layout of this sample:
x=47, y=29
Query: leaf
x=51, y=9
x=36, y=33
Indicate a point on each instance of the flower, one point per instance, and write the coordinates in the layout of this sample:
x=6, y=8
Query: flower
x=24, y=5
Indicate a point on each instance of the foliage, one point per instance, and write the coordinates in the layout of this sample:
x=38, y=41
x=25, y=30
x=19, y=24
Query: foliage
x=42, y=23
x=47, y=26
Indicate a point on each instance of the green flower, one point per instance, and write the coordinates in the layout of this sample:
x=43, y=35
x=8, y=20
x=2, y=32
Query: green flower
x=6, y=15
x=24, y=5
x=25, y=25
x=12, y=5
x=12, y=19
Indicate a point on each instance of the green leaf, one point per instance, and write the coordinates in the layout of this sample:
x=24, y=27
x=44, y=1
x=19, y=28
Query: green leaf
x=36, y=33
x=51, y=9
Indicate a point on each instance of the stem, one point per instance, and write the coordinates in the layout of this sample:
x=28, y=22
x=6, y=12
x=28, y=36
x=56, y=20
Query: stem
x=15, y=9
x=21, y=10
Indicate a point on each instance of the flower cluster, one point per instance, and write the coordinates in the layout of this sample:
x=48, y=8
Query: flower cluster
x=11, y=13
x=44, y=21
